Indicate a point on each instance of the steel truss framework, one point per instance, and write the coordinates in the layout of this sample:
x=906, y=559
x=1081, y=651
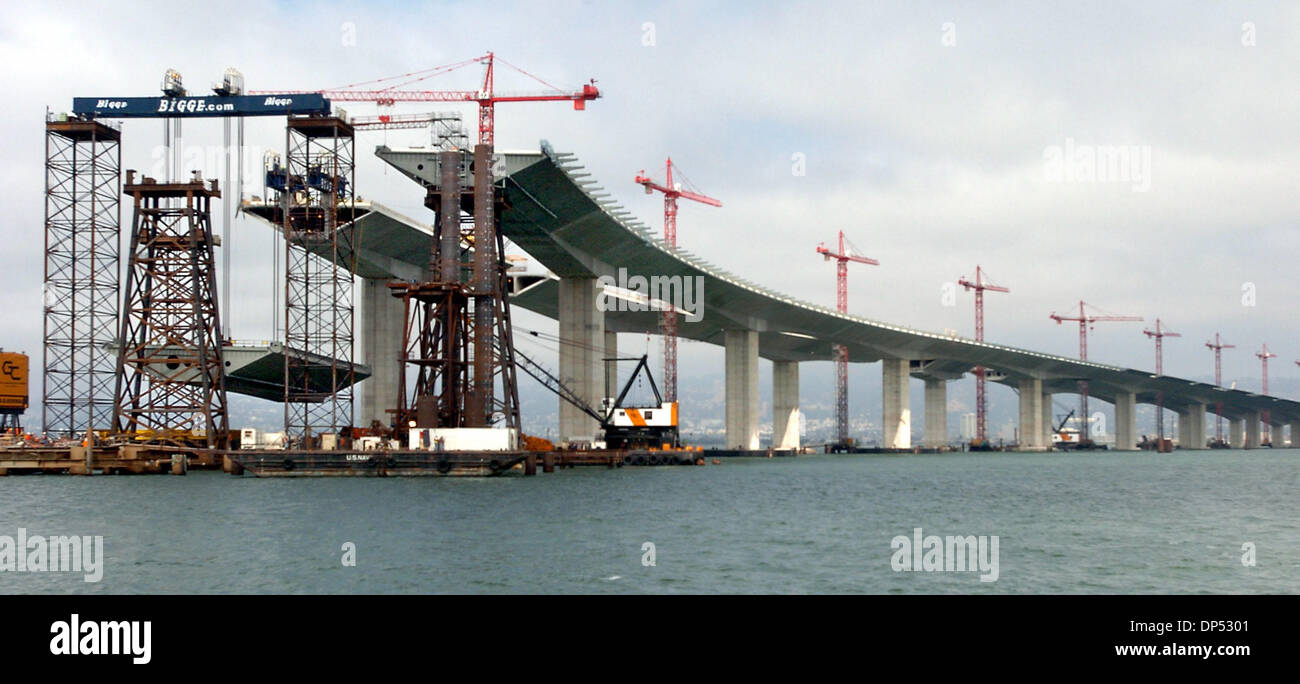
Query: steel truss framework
x=171, y=380
x=82, y=245
x=316, y=197
x=458, y=340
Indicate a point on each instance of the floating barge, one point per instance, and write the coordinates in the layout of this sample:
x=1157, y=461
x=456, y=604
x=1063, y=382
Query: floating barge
x=279, y=463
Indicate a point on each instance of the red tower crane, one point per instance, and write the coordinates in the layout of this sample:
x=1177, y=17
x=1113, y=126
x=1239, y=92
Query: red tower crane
x=1159, y=335
x=1264, y=355
x=1218, y=348
x=979, y=286
x=486, y=96
x=842, y=258
x=672, y=191
x=1085, y=323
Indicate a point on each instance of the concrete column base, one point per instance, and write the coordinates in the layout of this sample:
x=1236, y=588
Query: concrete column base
x=1236, y=433
x=742, y=389
x=936, y=413
x=1252, y=431
x=785, y=404
x=1126, y=421
x=1031, y=414
x=582, y=337
x=382, y=326
x=897, y=420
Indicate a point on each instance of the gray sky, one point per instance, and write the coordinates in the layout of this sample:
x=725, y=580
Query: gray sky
x=922, y=127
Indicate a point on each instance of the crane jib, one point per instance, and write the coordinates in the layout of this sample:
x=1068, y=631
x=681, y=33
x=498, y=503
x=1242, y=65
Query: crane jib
x=204, y=106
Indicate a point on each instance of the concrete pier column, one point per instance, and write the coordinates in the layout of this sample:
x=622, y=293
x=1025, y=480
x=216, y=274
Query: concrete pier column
x=1194, y=416
x=1295, y=434
x=1031, y=413
x=742, y=389
x=785, y=404
x=611, y=367
x=582, y=335
x=897, y=419
x=1126, y=421
x=1252, y=430
x=936, y=413
x=1236, y=433
x=382, y=325
x=1049, y=423
x=1184, y=428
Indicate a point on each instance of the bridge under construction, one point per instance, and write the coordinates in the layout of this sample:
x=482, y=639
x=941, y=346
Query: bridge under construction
x=136, y=374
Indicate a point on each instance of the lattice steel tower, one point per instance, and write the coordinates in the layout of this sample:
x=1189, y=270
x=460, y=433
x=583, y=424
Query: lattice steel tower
x=82, y=244
x=316, y=198
x=171, y=379
x=458, y=338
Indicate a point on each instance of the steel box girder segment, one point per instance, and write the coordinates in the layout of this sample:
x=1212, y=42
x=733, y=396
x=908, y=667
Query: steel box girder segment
x=318, y=276
x=204, y=106
x=82, y=244
x=171, y=301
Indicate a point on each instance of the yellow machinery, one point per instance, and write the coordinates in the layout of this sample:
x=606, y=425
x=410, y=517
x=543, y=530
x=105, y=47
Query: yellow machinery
x=13, y=389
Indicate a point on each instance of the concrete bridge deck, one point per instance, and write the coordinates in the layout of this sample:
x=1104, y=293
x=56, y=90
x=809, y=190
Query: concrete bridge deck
x=562, y=219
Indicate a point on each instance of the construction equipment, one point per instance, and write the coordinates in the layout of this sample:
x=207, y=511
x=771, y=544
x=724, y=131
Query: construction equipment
x=13, y=390
x=979, y=286
x=1159, y=335
x=171, y=379
x=458, y=337
x=652, y=426
x=671, y=190
x=843, y=255
x=1085, y=324
x=1218, y=348
x=486, y=96
x=1266, y=431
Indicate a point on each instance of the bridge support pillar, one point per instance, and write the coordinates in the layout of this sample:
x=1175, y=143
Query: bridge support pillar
x=382, y=325
x=1191, y=427
x=1047, y=424
x=1126, y=421
x=1236, y=433
x=1252, y=430
x=611, y=367
x=936, y=413
x=1031, y=414
x=897, y=419
x=582, y=337
x=785, y=404
x=1295, y=434
x=742, y=389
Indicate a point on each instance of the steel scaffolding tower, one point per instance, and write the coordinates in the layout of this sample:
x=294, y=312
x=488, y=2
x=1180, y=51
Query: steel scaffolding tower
x=82, y=245
x=316, y=198
x=171, y=379
x=458, y=336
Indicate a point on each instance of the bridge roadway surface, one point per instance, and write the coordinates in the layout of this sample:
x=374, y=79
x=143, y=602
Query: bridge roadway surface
x=561, y=218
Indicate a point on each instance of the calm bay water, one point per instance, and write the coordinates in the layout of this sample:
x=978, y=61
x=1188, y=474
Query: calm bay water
x=1076, y=523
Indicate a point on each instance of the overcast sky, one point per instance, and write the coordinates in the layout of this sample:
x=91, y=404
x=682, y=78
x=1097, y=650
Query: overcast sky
x=924, y=131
